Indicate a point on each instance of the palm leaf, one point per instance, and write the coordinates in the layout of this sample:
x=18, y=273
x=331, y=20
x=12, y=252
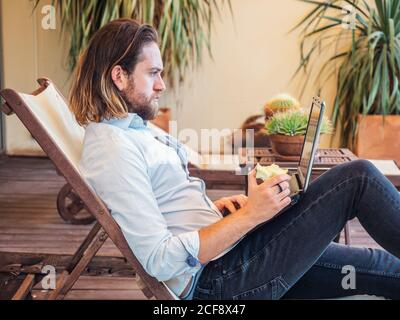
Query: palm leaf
x=184, y=26
x=367, y=78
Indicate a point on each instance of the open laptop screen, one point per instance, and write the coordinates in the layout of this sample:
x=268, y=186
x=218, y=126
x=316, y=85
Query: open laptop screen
x=311, y=142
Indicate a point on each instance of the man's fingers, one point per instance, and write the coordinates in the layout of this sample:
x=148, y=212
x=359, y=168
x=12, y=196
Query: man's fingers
x=244, y=199
x=280, y=187
x=276, y=189
x=275, y=180
x=285, y=202
x=229, y=205
x=241, y=200
x=284, y=185
x=282, y=195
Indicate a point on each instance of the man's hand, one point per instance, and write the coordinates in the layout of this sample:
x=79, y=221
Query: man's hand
x=268, y=198
x=264, y=202
x=229, y=203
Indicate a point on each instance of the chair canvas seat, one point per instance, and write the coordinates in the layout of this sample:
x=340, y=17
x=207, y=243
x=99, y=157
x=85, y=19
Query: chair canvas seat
x=52, y=112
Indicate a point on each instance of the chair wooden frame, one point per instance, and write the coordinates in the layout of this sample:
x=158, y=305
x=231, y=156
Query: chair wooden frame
x=105, y=226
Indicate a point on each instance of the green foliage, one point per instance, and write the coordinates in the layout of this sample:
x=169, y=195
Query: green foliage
x=184, y=26
x=365, y=59
x=293, y=123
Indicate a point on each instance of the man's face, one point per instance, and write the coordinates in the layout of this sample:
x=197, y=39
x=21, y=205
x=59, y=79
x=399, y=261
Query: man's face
x=142, y=89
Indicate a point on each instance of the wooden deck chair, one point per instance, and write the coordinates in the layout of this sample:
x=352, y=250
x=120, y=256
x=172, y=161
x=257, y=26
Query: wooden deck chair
x=53, y=129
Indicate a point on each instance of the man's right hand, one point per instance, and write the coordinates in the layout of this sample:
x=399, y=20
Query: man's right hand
x=263, y=203
x=265, y=200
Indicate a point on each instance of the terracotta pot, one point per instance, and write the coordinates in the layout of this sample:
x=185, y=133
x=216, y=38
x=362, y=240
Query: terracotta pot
x=286, y=145
x=376, y=140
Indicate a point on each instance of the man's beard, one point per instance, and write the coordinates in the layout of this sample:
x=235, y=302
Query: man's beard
x=143, y=107
x=147, y=111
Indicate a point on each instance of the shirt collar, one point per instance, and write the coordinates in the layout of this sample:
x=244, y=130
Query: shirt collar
x=133, y=121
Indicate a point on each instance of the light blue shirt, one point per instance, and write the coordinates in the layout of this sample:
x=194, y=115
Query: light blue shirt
x=143, y=178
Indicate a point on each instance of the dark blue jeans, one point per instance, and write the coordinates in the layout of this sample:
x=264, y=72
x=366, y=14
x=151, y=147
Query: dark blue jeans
x=292, y=256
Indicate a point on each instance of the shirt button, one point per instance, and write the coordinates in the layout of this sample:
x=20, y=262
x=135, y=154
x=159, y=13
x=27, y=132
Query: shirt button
x=192, y=261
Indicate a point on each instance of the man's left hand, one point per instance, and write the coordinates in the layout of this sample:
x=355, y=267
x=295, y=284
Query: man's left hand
x=229, y=203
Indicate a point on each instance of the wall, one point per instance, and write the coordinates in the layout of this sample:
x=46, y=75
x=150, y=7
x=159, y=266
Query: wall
x=29, y=52
x=253, y=59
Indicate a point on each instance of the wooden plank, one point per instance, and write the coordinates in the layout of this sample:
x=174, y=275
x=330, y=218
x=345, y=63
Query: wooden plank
x=103, y=252
x=25, y=288
x=95, y=295
x=4, y=230
x=102, y=283
x=19, y=262
x=54, y=226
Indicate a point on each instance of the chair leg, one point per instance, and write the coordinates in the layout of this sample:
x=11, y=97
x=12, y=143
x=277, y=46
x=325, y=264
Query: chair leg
x=83, y=247
x=347, y=236
x=25, y=287
x=79, y=262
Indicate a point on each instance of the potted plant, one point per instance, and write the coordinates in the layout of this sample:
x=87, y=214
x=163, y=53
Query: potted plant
x=361, y=45
x=281, y=102
x=287, y=131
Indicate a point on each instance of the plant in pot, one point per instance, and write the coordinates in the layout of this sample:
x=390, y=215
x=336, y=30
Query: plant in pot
x=287, y=131
x=361, y=45
x=280, y=103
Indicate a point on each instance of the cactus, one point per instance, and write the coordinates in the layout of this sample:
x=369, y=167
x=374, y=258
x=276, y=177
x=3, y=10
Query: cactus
x=293, y=123
x=282, y=102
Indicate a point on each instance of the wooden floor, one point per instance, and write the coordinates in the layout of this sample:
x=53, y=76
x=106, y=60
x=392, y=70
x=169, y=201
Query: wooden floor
x=29, y=223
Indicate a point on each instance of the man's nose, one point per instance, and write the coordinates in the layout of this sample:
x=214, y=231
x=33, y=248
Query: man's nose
x=159, y=85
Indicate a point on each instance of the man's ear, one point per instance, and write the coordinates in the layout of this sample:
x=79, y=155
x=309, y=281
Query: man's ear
x=119, y=77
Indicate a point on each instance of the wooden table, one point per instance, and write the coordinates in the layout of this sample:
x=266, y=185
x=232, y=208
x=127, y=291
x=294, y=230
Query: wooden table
x=230, y=180
x=325, y=159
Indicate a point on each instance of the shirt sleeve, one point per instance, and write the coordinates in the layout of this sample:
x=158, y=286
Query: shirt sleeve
x=121, y=180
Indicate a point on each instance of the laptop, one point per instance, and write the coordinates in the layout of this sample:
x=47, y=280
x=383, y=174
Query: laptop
x=301, y=178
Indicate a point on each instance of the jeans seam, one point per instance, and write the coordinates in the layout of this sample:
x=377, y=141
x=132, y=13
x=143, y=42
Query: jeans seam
x=361, y=270
x=244, y=265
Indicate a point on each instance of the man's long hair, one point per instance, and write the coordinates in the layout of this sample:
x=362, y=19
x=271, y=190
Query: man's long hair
x=94, y=96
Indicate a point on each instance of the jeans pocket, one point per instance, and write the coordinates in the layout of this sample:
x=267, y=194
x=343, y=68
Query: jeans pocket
x=272, y=290
x=211, y=291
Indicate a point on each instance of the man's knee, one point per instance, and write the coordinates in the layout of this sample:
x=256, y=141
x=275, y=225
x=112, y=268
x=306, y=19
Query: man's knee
x=363, y=167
